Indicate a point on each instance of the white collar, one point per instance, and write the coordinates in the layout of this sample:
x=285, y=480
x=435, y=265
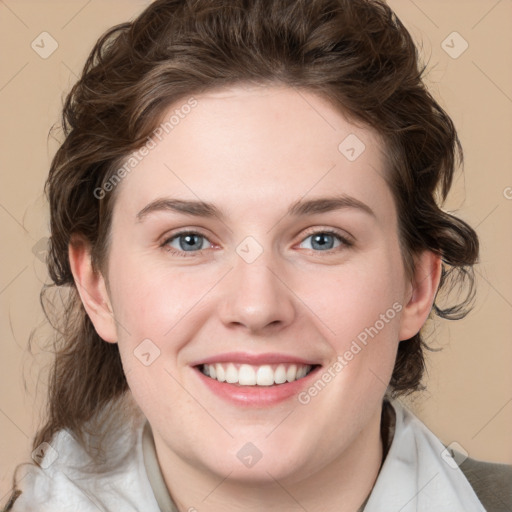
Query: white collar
x=416, y=476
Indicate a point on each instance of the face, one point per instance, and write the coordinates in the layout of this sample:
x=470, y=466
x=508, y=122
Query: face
x=285, y=282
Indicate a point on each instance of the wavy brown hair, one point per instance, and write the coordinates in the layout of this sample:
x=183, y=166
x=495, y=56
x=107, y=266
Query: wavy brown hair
x=354, y=53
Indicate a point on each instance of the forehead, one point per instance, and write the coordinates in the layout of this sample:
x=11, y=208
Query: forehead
x=255, y=149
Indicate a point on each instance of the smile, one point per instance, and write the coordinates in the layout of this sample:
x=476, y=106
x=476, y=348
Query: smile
x=255, y=380
x=252, y=375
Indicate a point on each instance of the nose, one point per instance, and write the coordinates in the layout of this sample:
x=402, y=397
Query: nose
x=256, y=296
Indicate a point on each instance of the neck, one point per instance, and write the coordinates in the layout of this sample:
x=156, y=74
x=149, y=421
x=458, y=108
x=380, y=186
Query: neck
x=342, y=485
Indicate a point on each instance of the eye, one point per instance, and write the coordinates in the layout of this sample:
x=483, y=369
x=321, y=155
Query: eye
x=325, y=241
x=187, y=241
x=192, y=243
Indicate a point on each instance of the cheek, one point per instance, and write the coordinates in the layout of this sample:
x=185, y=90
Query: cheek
x=346, y=302
x=356, y=298
x=156, y=299
x=361, y=309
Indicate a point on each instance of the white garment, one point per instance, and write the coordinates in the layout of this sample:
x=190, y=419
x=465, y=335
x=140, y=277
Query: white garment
x=414, y=476
x=64, y=486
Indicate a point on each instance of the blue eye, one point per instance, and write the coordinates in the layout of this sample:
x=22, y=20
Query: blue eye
x=324, y=241
x=191, y=243
x=187, y=242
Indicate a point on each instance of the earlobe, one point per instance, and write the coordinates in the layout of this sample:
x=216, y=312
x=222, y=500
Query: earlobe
x=92, y=289
x=424, y=284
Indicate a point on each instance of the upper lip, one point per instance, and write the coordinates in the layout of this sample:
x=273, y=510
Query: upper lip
x=253, y=359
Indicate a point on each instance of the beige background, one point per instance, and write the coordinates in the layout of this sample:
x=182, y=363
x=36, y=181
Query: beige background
x=469, y=397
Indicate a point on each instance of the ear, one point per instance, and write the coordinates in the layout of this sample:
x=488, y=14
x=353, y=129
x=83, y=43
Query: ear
x=421, y=294
x=92, y=289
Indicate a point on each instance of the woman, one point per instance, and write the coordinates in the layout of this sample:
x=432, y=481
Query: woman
x=244, y=212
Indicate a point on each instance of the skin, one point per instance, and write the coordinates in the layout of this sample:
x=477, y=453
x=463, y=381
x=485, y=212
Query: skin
x=253, y=152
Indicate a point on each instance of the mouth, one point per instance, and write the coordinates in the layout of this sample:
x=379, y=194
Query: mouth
x=256, y=380
x=265, y=375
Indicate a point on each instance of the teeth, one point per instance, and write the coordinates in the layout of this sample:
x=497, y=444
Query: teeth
x=219, y=370
x=280, y=374
x=248, y=375
x=231, y=374
x=291, y=373
x=265, y=376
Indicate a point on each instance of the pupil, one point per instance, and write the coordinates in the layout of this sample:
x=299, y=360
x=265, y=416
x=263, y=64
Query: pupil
x=321, y=242
x=190, y=241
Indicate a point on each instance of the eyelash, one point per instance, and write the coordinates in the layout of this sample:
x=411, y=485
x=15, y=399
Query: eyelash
x=345, y=242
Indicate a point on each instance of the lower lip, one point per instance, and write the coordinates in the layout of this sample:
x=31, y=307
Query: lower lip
x=257, y=396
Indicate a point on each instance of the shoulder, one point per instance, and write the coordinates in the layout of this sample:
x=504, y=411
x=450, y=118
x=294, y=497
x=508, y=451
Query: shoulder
x=66, y=477
x=491, y=482
x=53, y=479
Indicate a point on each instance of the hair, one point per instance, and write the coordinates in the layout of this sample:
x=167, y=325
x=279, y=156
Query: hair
x=354, y=53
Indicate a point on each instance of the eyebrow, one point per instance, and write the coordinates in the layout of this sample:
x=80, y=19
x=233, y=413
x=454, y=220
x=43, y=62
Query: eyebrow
x=297, y=209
